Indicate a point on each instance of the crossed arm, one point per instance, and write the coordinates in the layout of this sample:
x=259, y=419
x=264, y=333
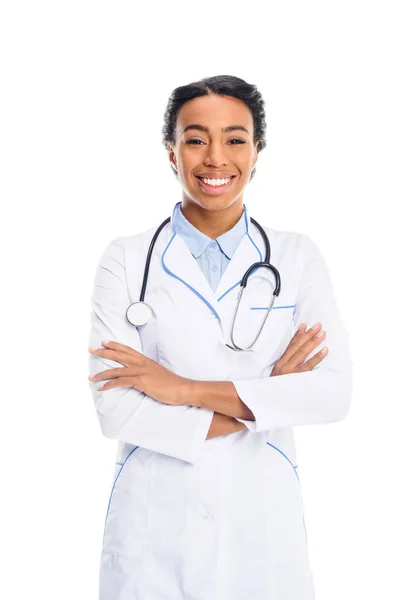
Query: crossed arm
x=139, y=413
x=221, y=397
x=146, y=375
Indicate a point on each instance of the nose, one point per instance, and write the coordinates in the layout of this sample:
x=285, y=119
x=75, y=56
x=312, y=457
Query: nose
x=215, y=156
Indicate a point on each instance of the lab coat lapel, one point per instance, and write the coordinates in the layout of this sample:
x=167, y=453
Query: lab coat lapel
x=250, y=250
x=179, y=262
x=245, y=255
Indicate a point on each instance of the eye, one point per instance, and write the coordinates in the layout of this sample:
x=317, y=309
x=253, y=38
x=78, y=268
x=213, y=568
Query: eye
x=238, y=140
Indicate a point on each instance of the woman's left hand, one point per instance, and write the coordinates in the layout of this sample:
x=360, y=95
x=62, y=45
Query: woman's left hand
x=140, y=372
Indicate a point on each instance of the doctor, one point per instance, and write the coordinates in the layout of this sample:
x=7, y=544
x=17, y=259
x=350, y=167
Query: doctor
x=205, y=502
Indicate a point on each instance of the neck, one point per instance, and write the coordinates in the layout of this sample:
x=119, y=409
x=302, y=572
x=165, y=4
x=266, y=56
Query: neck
x=212, y=223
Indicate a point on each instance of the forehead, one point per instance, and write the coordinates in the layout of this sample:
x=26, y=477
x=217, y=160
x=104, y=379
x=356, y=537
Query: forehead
x=214, y=112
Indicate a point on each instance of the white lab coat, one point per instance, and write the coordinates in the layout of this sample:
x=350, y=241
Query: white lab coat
x=219, y=519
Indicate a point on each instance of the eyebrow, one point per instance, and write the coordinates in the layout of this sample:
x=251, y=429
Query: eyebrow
x=223, y=129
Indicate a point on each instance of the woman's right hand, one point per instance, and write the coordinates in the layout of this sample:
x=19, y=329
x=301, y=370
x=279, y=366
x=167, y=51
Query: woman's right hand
x=299, y=347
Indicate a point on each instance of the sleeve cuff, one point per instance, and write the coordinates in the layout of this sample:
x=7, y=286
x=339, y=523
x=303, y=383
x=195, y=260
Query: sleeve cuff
x=200, y=437
x=251, y=425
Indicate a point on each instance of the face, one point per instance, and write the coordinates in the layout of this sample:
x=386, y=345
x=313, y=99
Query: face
x=205, y=147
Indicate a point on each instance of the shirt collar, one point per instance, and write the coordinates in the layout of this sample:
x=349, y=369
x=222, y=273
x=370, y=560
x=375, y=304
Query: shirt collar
x=197, y=241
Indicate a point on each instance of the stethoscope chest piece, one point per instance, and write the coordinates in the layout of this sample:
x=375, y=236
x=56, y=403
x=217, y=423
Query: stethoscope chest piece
x=138, y=313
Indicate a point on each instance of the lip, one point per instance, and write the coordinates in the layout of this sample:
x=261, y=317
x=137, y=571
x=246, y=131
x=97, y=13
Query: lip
x=215, y=175
x=215, y=191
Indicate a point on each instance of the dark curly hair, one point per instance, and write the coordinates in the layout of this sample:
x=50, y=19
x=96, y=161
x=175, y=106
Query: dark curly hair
x=224, y=85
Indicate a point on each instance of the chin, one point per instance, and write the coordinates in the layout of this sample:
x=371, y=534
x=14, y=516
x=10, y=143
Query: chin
x=215, y=204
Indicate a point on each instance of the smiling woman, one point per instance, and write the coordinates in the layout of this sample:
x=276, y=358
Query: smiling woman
x=214, y=158
x=209, y=505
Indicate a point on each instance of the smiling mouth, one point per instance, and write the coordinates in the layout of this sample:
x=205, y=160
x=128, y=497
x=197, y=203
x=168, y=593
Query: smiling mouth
x=214, y=180
x=217, y=185
x=215, y=189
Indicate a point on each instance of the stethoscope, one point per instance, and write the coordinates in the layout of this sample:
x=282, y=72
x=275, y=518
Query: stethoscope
x=139, y=313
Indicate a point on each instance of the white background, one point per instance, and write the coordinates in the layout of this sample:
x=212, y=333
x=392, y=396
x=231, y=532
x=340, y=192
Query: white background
x=84, y=88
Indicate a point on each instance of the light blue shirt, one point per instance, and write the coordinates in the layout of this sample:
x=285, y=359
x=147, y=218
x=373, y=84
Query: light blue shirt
x=212, y=256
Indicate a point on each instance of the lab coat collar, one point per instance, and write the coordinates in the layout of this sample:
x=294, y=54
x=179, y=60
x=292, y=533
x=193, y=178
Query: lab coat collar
x=197, y=241
x=178, y=261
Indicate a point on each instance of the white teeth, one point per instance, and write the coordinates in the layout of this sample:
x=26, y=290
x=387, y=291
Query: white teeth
x=216, y=182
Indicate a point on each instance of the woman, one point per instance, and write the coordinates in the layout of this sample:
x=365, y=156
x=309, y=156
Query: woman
x=206, y=500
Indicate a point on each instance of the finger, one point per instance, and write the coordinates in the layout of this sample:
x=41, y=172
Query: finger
x=301, y=329
x=108, y=374
x=303, y=336
x=298, y=340
x=120, y=347
x=116, y=383
x=124, y=358
x=303, y=351
x=313, y=361
x=292, y=345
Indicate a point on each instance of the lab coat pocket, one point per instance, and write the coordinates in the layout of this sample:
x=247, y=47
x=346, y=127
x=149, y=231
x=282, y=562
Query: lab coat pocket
x=124, y=528
x=285, y=498
x=276, y=332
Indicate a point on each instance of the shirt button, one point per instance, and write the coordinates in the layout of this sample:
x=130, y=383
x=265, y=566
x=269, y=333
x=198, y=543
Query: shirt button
x=214, y=268
x=213, y=244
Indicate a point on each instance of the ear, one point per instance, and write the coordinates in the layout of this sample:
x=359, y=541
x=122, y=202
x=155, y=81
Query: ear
x=171, y=156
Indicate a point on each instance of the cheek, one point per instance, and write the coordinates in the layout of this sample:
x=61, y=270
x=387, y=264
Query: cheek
x=186, y=177
x=188, y=160
x=244, y=170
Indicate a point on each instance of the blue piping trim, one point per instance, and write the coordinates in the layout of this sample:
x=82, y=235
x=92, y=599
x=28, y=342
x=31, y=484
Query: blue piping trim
x=247, y=231
x=115, y=481
x=273, y=308
x=254, y=244
x=256, y=247
x=288, y=459
x=230, y=289
x=233, y=286
x=238, y=283
x=298, y=479
x=187, y=285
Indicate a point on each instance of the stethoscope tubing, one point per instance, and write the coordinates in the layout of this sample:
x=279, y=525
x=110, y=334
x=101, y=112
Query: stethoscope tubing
x=265, y=263
x=148, y=259
x=245, y=276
